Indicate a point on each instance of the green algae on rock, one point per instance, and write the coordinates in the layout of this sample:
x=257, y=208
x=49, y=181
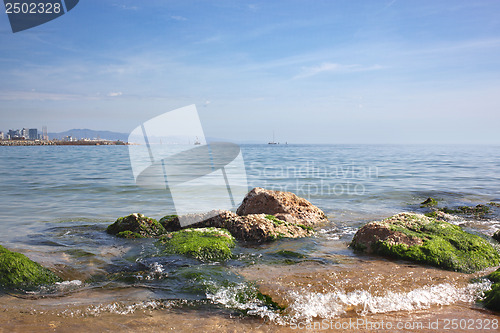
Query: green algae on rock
x=492, y=297
x=477, y=211
x=429, y=202
x=418, y=238
x=207, y=244
x=136, y=226
x=17, y=270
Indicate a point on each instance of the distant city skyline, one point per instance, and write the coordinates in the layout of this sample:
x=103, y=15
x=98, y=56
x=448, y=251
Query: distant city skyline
x=314, y=72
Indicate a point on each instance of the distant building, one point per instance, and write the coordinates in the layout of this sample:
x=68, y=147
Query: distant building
x=25, y=133
x=1, y=135
x=33, y=134
x=14, y=134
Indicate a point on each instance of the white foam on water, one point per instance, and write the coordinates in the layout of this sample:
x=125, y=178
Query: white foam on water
x=73, y=283
x=231, y=297
x=117, y=308
x=308, y=305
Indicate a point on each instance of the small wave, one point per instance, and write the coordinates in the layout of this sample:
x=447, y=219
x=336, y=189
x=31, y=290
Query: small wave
x=308, y=305
x=336, y=234
x=117, y=308
x=244, y=297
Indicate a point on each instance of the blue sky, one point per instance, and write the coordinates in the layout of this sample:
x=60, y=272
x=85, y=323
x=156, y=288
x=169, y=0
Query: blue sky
x=312, y=71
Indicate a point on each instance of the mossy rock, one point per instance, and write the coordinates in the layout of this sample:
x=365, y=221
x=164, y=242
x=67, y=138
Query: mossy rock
x=496, y=236
x=170, y=222
x=492, y=297
x=477, y=211
x=18, y=271
x=136, y=226
x=429, y=202
x=426, y=240
x=207, y=244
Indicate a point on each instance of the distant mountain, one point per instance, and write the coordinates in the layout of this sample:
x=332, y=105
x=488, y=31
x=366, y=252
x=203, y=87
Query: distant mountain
x=90, y=134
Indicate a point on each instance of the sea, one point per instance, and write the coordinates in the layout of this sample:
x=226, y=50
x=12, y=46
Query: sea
x=56, y=202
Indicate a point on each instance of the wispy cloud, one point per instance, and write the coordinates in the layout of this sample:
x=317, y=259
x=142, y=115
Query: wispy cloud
x=35, y=96
x=125, y=7
x=115, y=94
x=178, y=18
x=329, y=67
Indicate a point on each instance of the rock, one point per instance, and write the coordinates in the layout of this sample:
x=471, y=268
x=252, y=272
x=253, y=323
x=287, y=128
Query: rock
x=285, y=206
x=18, y=271
x=430, y=202
x=170, y=222
x=426, y=240
x=136, y=226
x=256, y=228
x=212, y=244
x=439, y=215
x=492, y=297
x=477, y=211
x=496, y=236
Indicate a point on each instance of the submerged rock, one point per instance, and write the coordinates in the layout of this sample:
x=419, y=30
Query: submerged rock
x=203, y=243
x=285, y=206
x=17, y=270
x=429, y=202
x=136, y=226
x=477, y=211
x=492, y=297
x=426, y=240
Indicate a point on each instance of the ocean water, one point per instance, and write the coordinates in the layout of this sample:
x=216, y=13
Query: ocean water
x=56, y=201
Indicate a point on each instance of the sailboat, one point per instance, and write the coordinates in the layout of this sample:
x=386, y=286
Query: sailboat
x=272, y=142
x=197, y=142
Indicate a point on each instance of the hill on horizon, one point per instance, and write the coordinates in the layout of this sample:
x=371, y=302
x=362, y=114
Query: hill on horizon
x=90, y=134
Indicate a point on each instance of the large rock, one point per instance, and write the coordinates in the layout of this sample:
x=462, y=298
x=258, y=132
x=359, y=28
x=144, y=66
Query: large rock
x=136, y=226
x=285, y=206
x=426, y=240
x=251, y=228
x=18, y=271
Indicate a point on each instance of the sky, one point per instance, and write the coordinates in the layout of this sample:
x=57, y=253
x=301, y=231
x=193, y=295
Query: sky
x=329, y=71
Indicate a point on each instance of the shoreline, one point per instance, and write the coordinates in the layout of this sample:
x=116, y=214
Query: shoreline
x=17, y=143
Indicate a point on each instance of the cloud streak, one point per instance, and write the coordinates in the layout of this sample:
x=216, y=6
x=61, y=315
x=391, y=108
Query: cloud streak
x=329, y=67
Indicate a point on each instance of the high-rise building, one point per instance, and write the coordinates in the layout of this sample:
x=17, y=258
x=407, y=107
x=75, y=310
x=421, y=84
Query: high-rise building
x=1, y=135
x=25, y=133
x=14, y=134
x=33, y=134
x=45, y=134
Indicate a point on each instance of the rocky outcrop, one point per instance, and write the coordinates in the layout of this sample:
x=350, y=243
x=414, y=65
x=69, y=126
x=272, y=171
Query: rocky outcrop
x=136, y=226
x=426, y=240
x=286, y=206
x=18, y=271
x=251, y=228
x=263, y=216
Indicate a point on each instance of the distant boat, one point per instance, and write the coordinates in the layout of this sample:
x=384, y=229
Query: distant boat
x=272, y=142
x=197, y=142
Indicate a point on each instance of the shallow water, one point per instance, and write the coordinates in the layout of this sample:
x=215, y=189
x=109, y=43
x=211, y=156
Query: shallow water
x=57, y=201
